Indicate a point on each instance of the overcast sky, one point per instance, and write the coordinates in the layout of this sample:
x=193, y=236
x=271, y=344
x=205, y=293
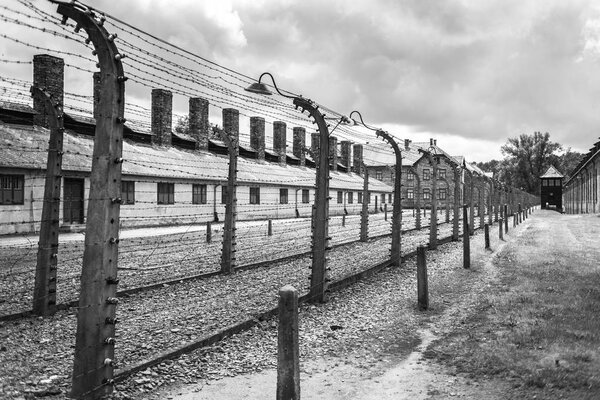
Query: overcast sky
x=469, y=73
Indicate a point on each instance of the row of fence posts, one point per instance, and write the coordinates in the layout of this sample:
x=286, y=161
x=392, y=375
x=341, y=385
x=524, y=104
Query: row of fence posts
x=288, y=350
x=94, y=348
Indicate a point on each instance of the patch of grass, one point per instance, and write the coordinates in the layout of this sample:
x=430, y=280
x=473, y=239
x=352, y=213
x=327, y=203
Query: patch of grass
x=543, y=332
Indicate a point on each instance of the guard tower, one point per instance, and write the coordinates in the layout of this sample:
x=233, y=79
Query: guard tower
x=551, y=190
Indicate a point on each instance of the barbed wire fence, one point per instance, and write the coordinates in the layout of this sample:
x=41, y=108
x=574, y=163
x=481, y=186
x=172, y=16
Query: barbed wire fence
x=180, y=265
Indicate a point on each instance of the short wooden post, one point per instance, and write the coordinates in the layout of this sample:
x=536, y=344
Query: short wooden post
x=486, y=230
x=288, y=352
x=385, y=211
x=505, y=218
x=500, y=230
x=208, y=232
x=422, y=287
x=270, y=228
x=343, y=220
x=466, y=240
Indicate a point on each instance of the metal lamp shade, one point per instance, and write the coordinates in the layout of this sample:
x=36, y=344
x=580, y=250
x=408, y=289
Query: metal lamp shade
x=259, y=88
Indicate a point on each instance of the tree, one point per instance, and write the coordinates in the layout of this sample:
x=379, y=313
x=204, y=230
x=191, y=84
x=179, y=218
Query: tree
x=528, y=157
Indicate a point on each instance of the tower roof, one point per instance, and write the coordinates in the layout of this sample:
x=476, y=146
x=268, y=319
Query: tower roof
x=552, y=173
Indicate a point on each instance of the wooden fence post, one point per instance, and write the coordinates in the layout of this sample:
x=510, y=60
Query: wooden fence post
x=344, y=220
x=500, y=229
x=208, y=232
x=385, y=211
x=229, y=243
x=466, y=240
x=364, y=214
x=486, y=229
x=44, y=293
x=505, y=218
x=422, y=285
x=270, y=228
x=288, y=352
x=93, y=366
x=456, y=204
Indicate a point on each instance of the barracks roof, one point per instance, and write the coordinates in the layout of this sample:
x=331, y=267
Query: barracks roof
x=25, y=146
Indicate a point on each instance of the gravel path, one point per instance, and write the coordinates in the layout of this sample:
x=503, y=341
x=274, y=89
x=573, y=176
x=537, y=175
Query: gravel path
x=38, y=352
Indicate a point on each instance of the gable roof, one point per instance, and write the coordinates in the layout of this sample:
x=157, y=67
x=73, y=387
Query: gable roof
x=26, y=147
x=552, y=172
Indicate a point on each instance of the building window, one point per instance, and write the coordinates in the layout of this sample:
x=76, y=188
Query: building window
x=410, y=194
x=544, y=182
x=426, y=174
x=340, y=197
x=224, y=194
x=441, y=194
x=426, y=194
x=359, y=199
x=254, y=195
x=11, y=189
x=198, y=194
x=166, y=193
x=283, y=196
x=378, y=175
x=411, y=183
x=350, y=197
x=382, y=198
x=441, y=173
x=305, y=196
x=128, y=192
x=410, y=176
x=389, y=198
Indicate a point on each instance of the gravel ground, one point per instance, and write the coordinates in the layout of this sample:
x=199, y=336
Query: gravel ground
x=147, y=260
x=39, y=351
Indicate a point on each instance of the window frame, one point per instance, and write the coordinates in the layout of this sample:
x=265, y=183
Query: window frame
x=439, y=193
x=224, y=194
x=9, y=194
x=169, y=193
x=340, y=197
x=410, y=194
x=128, y=192
x=283, y=196
x=350, y=197
x=426, y=174
x=199, y=193
x=305, y=196
x=254, y=193
x=426, y=194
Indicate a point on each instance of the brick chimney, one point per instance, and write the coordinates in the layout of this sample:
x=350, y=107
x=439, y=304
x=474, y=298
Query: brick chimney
x=231, y=122
x=333, y=157
x=299, y=143
x=198, y=120
x=162, y=117
x=357, y=158
x=346, y=154
x=257, y=136
x=406, y=144
x=314, y=145
x=48, y=74
x=431, y=141
x=279, y=140
x=97, y=87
